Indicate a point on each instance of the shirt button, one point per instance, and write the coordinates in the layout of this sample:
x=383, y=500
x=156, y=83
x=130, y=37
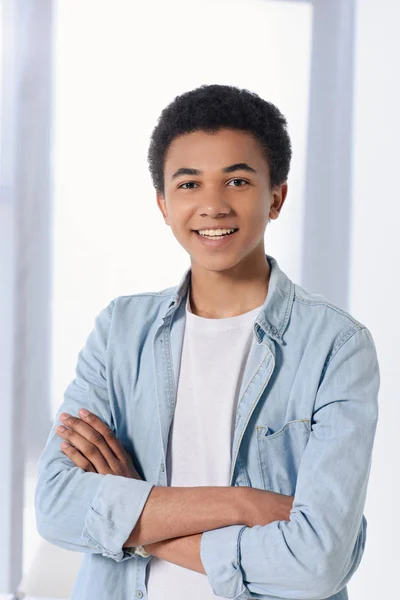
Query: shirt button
x=139, y=594
x=162, y=467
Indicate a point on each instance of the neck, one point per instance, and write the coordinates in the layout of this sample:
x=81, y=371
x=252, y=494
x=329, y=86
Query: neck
x=229, y=293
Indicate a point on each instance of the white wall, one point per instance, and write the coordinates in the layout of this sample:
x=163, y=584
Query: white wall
x=374, y=273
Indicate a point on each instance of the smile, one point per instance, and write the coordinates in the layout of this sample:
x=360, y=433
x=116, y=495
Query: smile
x=215, y=241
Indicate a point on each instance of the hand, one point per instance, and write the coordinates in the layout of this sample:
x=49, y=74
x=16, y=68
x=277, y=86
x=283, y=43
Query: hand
x=261, y=507
x=94, y=447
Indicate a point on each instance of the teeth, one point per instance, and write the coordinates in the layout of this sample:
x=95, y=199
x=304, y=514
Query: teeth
x=214, y=232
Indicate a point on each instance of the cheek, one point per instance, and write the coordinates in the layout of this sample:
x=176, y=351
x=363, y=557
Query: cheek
x=181, y=221
x=254, y=210
x=257, y=221
x=178, y=227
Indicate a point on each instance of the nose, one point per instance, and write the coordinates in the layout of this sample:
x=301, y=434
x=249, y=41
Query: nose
x=215, y=214
x=214, y=207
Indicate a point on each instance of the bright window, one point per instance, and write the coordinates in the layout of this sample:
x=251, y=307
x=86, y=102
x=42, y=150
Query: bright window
x=117, y=65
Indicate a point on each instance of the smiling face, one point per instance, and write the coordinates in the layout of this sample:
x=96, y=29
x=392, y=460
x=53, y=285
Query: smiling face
x=219, y=180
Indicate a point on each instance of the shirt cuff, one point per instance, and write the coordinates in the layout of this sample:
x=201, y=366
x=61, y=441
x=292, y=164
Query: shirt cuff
x=220, y=555
x=113, y=515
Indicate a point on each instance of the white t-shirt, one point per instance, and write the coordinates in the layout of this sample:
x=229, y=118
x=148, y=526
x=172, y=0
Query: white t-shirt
x=214, y=356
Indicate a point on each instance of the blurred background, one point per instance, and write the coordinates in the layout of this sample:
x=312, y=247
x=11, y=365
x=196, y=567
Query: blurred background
x=82, y=84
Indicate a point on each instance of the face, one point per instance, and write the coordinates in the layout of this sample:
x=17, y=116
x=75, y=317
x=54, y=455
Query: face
x=231, y=189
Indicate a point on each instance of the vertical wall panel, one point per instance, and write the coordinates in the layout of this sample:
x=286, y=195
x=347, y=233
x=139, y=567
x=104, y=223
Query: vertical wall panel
x=25, y=262
x=327, y=202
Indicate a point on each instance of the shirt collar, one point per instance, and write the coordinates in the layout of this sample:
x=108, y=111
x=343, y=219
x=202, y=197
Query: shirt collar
x=275, y=312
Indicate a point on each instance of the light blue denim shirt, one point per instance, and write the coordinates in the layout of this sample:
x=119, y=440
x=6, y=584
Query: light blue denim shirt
x=305, y=426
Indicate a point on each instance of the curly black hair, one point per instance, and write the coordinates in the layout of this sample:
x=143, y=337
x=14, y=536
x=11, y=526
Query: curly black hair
x=210, y=108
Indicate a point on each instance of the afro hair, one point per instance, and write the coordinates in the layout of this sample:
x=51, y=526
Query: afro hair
x=210, y=108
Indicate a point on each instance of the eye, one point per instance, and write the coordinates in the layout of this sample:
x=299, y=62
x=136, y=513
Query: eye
x=238, y=180
x=187, y=183
x=190, y=182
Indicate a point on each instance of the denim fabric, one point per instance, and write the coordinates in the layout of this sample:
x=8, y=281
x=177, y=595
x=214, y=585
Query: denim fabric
x=305, y=426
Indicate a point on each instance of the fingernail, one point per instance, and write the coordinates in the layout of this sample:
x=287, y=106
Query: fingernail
x=64, y=445
x=84, y=412
x=61, y=428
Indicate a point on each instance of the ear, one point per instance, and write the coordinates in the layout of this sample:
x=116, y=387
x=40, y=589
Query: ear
x=162, y=205
x=279, y=194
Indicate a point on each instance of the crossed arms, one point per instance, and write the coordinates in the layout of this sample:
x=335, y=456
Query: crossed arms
x=312, y=555
x=184, y=513
x=177, y=515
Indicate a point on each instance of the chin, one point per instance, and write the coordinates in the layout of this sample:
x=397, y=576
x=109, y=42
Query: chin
x=215, y=263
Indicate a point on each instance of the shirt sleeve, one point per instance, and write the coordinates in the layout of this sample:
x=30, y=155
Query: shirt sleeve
x=79, y=510
x=316, y=552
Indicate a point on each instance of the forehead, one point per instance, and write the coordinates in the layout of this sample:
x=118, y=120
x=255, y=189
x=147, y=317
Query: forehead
x=209, y=151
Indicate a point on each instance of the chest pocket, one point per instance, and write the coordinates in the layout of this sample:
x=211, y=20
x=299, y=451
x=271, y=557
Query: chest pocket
x=279, y=454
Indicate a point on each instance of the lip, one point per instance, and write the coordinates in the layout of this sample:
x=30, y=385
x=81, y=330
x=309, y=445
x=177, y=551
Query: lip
x=214, y=227
x=215, y=243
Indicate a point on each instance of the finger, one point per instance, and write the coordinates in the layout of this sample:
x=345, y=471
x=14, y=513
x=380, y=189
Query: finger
x=108, y=435
x=86, y=448
x=92, y=433
x=77, y=458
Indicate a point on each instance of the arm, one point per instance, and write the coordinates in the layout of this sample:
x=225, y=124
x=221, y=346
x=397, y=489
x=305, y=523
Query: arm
x=257, y=506
x=316, y=552
x=169, y=512
x=87, y=512
x=179, y=511
x=173, y=512
x=183, y=551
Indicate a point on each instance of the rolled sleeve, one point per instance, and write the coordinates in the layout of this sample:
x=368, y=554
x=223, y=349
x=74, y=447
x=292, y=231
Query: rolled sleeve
x=108, y=524
x=219, y=553
x=316, y=552
x=78, y=510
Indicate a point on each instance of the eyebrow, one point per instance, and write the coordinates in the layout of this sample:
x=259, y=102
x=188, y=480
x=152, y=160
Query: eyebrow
x=230, y=169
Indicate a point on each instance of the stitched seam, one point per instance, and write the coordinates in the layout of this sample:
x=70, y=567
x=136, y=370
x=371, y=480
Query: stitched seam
x=268, y=354
x=282, y=429
x=255, y=402
x=343, y=339
x=329, y=305
x=161, y=293
x=289, y=306
x=98, y=546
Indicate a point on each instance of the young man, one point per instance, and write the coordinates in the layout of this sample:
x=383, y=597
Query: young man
x=228, y=443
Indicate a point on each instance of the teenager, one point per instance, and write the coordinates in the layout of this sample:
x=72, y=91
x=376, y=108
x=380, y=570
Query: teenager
x=230, y=420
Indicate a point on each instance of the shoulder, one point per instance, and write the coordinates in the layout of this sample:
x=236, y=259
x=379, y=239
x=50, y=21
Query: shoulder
x=140, y=305
x=317, y=305
x=325, y=325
